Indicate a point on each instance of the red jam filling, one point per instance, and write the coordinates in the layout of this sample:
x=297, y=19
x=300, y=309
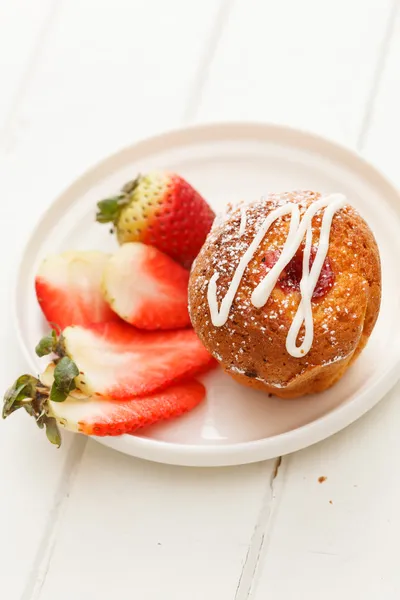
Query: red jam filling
x=290, y=277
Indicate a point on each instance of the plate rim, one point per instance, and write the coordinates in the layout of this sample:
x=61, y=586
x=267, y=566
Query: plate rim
x=240, y=452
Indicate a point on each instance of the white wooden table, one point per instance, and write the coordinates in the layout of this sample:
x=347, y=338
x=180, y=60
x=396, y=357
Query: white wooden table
x=79, y=79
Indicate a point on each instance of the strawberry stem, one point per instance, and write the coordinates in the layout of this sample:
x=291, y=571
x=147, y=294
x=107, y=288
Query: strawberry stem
x=29, y=393
x=65, y=371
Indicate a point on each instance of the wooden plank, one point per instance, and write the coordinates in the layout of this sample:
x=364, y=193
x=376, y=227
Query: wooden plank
x=337, y=539
x=383, y=127
x=133, y=528
x=308, y=64
x=112, y=73
x=34, y=479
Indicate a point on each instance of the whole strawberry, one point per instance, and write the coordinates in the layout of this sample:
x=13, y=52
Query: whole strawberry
x=161, y=210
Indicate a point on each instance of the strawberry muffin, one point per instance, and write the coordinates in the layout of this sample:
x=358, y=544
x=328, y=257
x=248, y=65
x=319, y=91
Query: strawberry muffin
x=286, y=291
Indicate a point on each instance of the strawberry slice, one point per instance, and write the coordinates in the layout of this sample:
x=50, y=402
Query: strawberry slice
x=117, y=360
x=68, y=289
x=92, y=416
x=113, y=417
x=146, y=288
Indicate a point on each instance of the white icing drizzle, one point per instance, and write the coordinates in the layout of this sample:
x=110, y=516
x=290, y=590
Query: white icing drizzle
x=243, y=218
x=297, y=230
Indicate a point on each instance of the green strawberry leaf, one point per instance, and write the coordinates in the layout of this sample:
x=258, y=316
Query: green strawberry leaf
x=52, y=431
x=109, y=209
x=130, y=186
x=19, y=394
x=47, y=345
x=56, y=395
x=64, y=379
x=29, y=393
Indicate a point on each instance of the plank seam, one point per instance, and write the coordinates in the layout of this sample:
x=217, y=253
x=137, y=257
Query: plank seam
x=378, y=75
x=26, y=78
x=45, y=551
x=271, y=499
x=211, y=48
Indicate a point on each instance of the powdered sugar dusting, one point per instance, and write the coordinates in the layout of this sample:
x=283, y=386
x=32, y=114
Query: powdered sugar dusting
x=298, y=228
x=225, y=247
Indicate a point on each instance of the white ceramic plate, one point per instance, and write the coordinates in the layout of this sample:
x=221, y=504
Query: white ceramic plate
x=229, y=162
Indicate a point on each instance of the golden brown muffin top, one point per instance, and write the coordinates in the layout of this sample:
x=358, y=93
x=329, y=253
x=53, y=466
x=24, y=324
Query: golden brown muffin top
x=253, y=339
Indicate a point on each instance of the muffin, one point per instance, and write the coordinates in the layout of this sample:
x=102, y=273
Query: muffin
x=286, y=291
